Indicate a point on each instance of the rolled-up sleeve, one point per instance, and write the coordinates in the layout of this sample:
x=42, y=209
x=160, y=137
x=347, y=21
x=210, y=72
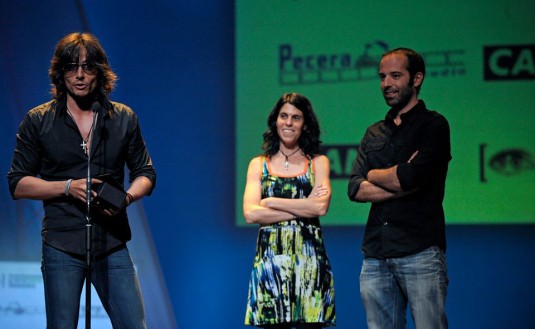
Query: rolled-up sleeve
x=358, y=172
x=26, y=157
x=139, y=161
x=434, y=152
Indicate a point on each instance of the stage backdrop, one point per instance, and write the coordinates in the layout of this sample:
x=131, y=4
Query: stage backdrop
x=176, y=64
x=480, y=75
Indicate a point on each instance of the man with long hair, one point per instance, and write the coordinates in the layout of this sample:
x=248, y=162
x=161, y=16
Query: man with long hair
x=55, y=143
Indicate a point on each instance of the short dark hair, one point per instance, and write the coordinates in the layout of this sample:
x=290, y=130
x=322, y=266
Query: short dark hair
x=309, y=140
x=415, y=62
x=68, y=51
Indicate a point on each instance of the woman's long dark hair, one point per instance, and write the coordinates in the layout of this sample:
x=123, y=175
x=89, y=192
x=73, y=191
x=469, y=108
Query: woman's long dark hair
x=68, y=51
x=309, y=140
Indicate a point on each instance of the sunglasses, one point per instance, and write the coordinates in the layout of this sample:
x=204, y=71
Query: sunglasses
x=72, y=68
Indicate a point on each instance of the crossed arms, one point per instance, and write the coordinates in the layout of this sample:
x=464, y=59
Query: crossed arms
x=272, y=209
x=381, y=185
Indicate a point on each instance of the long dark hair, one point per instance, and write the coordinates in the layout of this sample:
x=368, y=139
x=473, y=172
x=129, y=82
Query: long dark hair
x=309, y=140
x=68, y=51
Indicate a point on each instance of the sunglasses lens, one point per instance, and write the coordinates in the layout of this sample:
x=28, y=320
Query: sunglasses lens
x=72, y=68
x=89, y=68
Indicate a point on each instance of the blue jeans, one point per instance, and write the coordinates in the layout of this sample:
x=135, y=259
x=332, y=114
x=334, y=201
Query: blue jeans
x=421, y=280
x=113, y=276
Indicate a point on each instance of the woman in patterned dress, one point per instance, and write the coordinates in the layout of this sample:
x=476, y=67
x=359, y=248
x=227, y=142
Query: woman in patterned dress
x=286, y=191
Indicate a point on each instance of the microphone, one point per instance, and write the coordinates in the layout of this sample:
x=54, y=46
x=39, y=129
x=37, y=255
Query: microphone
x=95, y=107
x=89, y=225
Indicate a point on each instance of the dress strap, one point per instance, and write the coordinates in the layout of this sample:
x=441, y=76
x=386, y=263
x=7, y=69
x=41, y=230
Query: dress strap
x=310, y=165
x=311, y=170
x=265, y=170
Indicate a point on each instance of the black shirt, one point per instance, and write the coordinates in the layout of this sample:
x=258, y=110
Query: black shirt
x=48, y=146
x=409, y=224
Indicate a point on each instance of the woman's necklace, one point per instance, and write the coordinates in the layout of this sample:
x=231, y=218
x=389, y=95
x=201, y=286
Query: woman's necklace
x=84, y=145
x=286, y=156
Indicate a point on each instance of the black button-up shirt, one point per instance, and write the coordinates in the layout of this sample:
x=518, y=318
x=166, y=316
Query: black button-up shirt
x=403, y=226
x=48, y=146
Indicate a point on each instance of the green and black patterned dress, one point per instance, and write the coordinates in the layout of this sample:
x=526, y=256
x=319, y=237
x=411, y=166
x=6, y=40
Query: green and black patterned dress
x=291, y=280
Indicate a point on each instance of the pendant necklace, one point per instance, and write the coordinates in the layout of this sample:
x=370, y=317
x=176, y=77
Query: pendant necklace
x=85, y=140
x=286, y=156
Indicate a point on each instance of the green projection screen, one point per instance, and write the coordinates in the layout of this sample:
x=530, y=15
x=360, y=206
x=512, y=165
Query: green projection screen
x=480, y=59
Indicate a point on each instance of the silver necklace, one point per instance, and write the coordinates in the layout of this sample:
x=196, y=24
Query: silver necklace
x=85, y=140
x=286, y=156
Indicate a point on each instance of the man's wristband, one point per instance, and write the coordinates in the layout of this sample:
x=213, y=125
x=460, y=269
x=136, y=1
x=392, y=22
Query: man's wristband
x=129, y=198
x=68, y=186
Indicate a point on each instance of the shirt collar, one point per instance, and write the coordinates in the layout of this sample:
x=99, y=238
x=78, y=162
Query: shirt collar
x=103, y=111
x=407, y=116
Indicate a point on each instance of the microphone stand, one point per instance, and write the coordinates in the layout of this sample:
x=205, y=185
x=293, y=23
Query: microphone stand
x=89, y=224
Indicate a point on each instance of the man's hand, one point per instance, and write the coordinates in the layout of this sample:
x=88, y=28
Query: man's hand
x=78, y=189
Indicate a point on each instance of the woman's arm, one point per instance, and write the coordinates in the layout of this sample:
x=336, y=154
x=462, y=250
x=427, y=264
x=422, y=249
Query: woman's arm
x=253, y=211
x=317, y=203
